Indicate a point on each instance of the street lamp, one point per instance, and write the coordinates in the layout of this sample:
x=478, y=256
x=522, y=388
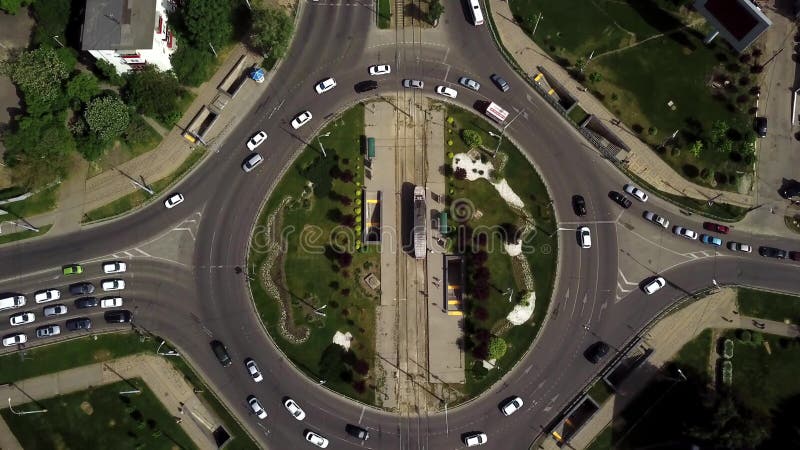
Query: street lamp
x=500, y=138
x=22, y=413
x=320, y=143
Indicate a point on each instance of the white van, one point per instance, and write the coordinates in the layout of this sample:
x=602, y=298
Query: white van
x=477, y=14
x=15, y=301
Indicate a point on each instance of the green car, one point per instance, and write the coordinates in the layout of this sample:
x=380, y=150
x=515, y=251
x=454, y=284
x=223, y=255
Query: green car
x=73, y=269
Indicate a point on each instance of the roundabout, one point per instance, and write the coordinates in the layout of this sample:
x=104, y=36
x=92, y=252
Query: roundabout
x=198, y=291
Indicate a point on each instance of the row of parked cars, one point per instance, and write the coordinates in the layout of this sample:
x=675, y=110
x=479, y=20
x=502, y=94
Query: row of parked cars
x=76, y=324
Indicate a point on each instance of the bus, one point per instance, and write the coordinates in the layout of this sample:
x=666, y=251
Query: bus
x=371, y=148
x=477, y=14
x=496, y=112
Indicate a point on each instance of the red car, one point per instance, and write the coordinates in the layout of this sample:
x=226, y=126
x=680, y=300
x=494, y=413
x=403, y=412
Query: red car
x=795, y=256
x=711, y=226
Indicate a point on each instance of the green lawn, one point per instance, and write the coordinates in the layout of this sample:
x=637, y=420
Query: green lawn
x=637, y=82
x=138, y=198
x=309, y=225
x=768, y=305
x=603, y=441
x=694, y=355
x=99, y=418
x=138, y=139
x=600, y=392
x=40, y=202
x=6, y=238
x=385, y=13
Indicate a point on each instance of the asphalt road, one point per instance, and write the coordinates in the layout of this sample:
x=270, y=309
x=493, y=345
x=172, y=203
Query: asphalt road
x=191, y=302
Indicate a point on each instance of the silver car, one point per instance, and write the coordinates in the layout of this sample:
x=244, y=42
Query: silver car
x=416, y=84
x=469, y=83
x=252, y=162
x=656, y=219
x=55, y=310
x=47, y=331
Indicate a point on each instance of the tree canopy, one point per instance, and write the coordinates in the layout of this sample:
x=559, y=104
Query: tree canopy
x=192, y=66
x=208, y=21
x=154, y=93
x=471, y=138
x=272, y=29
x=83, y=87
x=38, y=149
x=107, y=117
x=39, y=74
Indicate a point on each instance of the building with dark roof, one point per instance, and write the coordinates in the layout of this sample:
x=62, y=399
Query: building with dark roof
x=740, y=22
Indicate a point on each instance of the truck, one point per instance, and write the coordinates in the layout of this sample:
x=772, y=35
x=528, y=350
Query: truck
x=420, y=236
x=497, y=113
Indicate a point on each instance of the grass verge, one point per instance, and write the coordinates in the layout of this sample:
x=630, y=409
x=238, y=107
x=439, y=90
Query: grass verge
x=385, y=14
x=600, y=392
x=40, y=202
x=6, y=238
x=768, y=305
x=577, y=114
x=138, y=198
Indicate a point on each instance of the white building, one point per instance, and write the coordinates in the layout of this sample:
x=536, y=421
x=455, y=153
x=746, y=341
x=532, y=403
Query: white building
x=128, y=33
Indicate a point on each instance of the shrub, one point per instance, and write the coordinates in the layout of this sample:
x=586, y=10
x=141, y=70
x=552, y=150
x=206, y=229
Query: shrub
x=728, y=349
x=478, y=371
x=497, y=348
x=344, y=259
x=471, y=138
x=361, y=367
x=480, y=313
x=460, y=174
x=744, y=335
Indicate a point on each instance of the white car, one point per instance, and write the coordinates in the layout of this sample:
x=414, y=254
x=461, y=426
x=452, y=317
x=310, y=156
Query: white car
x=54, y=310
x=316, y=439
x=325, y=85
x=113, y=285
x=476, y=439
x=636, y=192
x=14, y=339
x=114, y=267
x=585, y=237
x=252, y=162
x=685, y=232
x=294, y=409
x=512, y=406
x=653, y=286
x=739, y=247
x=416, y=84
x=252, y=369
x=47, y=331
x=446, y=91
x=173, y=200
x=47, y=295
x=301, y=119
x=110, y=302
x=381, y=69
x=656, y=219
x=256, y=140
x=469, y=83
x=255, y=405
x=22, y=318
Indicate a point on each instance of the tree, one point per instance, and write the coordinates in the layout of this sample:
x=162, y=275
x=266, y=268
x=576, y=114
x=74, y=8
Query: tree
x=595, y=77
x=83, y=87
x=497, y=348
x=719, y=130
x=107, y=117
x=154, y=93
x=696, y=148
x=13, y=6
x=435, y=11
x=39, y=74
x=732, y=426
x=38, y=149
x=208, y=22
x=272, y=29
x=192, y=66
x=460, y=174
x=471, y=138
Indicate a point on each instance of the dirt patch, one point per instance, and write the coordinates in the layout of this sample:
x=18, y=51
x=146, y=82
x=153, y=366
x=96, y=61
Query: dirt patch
x=101, y=355
x=86, y=407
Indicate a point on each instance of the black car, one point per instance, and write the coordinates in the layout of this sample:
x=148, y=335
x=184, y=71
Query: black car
x=357, y=432
x=366, y=86
x=761, y=126
x=81, y=288
x=81, y=323
x=596, y=352
x=118, y=316
x=221, y=353
x=620, y=199
x=500, y=82
x=790, y=189
x=86, y=302
x=772, y=252
x=579, y=205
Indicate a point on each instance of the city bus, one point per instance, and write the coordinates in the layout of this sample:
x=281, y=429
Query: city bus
x=477, y=14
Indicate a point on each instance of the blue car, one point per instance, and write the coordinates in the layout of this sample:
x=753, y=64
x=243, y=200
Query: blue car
x=710, y=240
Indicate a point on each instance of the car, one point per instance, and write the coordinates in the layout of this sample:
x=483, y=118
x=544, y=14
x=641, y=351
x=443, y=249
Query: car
x=357, y=432
x=114, y=267
x=81, y=288
x=54, y=310
x=47, y=295
x=636, y=192
x=579, y=205
x=72, y=269
x=81, y=323
x=118, y=316
x=654, y=285
x=221, y=352
x=710, y=240
x=325, y=85
x=256, y=407
x=739, y=247
x=656, y=219
x=301, y=119
x=48, y=331
x=110, y=302
x=620, y=199
x=511, y=406
x=173, y=200
x=366, y=86
x=472, y=440
x=711, y=226
x=501, y=83
x=252, y=369
x=22, y=318
x=316, y=439
x=794, y=256
x=256, y=140
x=771, y=252
x=761, y=126
x=14, y=339
x=380, y=69
x=446, y=91
x=86, y=302
x=416, y=84
x=469, y=83
x=114, y=284
x=251, y=162
x=585, y=237
x=294, y=409
x=685, y=232
x=596, y=352
x=789, y=189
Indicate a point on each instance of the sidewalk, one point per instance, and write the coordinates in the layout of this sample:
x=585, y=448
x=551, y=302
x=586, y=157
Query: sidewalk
x=642, y=160
x=666, y=339
x=167, y=384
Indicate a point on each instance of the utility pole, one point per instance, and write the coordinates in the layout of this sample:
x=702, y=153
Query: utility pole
x=324, y=155
x=500, y=139
x=212, y=49
x=59, y=42
x=142, y=186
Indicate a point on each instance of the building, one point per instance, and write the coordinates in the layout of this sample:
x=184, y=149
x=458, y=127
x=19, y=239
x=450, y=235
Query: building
x=128, y=33
x=740, y=22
